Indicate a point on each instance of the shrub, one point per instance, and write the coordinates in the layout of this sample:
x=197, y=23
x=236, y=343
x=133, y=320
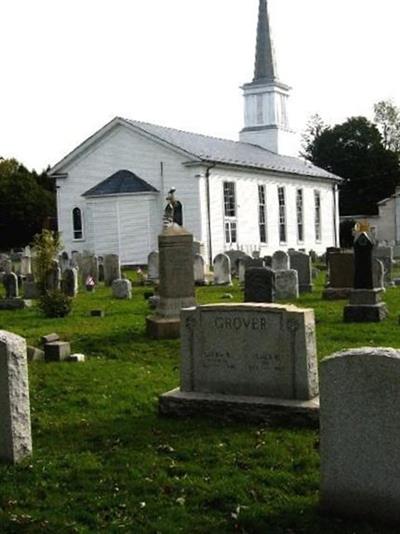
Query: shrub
x=55, y=304
x=46, y=245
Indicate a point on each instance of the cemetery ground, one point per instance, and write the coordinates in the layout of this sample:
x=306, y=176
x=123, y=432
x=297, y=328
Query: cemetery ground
x=104, y=461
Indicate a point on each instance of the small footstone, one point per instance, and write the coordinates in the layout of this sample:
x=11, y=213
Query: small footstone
x=97, y=313
x=50, y=338
x=77, y=358
x=35, y=354
x=57, y=351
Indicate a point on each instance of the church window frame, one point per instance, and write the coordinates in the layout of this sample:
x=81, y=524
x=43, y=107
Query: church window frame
x=230, y=212
x=77, y=224
x=317, y=216
x=262, y=213
x=300, y=214
x=282, y=215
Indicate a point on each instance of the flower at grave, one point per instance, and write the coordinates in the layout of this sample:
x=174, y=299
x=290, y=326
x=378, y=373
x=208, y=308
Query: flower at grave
x=90, y=283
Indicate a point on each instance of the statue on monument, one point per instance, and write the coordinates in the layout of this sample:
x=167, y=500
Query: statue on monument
x=173, y=210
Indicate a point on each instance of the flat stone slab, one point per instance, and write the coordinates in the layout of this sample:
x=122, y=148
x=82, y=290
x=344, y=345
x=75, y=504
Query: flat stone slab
x=14, y=304
x=273, y=412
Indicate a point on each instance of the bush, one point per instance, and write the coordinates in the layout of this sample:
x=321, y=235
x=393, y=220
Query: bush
x=55, y=304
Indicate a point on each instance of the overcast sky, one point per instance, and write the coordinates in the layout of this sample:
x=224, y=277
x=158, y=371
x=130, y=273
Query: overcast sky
x=69, y=66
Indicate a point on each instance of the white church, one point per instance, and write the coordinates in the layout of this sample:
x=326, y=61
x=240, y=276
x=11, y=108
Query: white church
x=247, y=194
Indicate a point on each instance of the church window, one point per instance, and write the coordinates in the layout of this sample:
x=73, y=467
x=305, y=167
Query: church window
x=230, y=199
x=317, y=204
x=230, y=232
x=77, y=223
x=282, y=214
x=300, y=216
x=262, y=213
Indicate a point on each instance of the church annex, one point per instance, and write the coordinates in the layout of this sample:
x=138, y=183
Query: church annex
x=245, y=194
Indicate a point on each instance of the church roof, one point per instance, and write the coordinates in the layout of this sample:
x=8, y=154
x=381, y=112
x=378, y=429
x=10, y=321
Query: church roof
x=265, y=64
x=121, y=182
x=216, y=150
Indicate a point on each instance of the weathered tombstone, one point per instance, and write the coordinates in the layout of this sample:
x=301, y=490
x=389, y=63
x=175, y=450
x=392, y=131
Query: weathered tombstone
x=365, y=301
x=242, y=262
x=199, y=270
x=385, y=255
x=251, y=361
x=280, y=261
x=70, y=282
x=53, y=279
x=121, y=289
x=259, y=285
x=112, y=268
x=301, y=262
x=360, y=422
x=340, y=275
x=176, y=288
x=286, y=285
x=15, y=418
x=268, y=261
x=25, y=266
x=222, y=270
x=10, y=283
x=76, y=259
x=235, y=256
x=63, y=261
x=89, y=268
x=153, y=266
x=101, y=271
x=378, y=274
x=31, y=289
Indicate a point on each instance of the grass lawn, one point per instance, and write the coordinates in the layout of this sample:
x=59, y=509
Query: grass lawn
x=105, y=462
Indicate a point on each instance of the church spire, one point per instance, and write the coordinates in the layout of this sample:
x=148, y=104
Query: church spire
x=265, y=65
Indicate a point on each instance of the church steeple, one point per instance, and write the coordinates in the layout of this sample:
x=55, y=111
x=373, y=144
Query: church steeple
x=265, y=64
x=265, y=98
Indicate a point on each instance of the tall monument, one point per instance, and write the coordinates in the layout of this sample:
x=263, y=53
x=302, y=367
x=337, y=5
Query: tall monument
x=266, y=121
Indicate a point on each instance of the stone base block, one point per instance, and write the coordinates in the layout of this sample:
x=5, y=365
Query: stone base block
x=160, y=328
x=57, y=351
x=14, y=304
x=336, y=293
x=280, y=412
x=373, y=313
x=365, y=297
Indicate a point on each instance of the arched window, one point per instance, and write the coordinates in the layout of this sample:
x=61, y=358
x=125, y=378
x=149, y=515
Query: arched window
x=77, y=223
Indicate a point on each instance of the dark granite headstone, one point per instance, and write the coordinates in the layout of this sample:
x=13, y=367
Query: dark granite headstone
x=259, y=285
x=10, y=282
x=363, y=262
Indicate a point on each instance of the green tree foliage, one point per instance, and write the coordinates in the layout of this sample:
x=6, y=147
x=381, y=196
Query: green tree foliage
x=27, y=200
x=355, y=151
x=387, y=118
x=47, y=245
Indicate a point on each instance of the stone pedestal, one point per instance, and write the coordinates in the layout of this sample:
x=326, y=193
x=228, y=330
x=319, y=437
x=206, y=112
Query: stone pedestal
x=176, y=287
x=365, y=307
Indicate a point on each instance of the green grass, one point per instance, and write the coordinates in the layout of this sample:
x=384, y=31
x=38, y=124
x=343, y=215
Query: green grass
x=104, y=461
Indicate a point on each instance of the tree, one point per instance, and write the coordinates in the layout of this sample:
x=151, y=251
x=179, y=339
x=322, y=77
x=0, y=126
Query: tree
x=355, y=151
x=387, y=118
x=315, y=127
x=25, y=205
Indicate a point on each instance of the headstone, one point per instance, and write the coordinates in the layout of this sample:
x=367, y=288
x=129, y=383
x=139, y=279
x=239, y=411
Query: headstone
x=385, y=255
x=121, y=289
x=53, y=280
x=25, y=266
x=100, y=261
x=259, y=285
x=112, y=268
x=70, y=282
x=286, y=285
x=15, y=419
x=176, y=287
x=76, y=259
x=242, y=269
x=153, y=266
x=360, y=422
x=63, y=261
x=57, y=351
x=222, y=270
x=199, y=270
x=365, y=301
x=280, y=261
x=340, y=275
x=31, y=289
x=77, y=358
x=235, y=256
x=97, y=313
x=10, y=283
x=378, y=274
x=301, y=262
x=251, y=361
x=34, y=354
x=89, y=268
x=268, y=261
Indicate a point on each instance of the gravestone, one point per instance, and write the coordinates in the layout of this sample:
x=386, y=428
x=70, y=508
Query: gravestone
x=76, y=259
x=53, y=279
x=340, y=275
x=10, y=283
x=112, y=268
x=101, y=272
x=259, y=285
x=385, y=255
x=121, y=289
x=365, y=301
x=257, y=362
x=242, y=269
x=268, y=261
x=378, y=274
x=70, y=282
x=63, y=261
x=31, y=289
x=153, y=263
x=360, y=422
x=280, y=261
x=286, y=285
x=176, y=287
x=199, y=270
x=89, y=268
x=235, y=256
x=15, y=418
x=301, y=262
x=25, y=266
x=222, y=270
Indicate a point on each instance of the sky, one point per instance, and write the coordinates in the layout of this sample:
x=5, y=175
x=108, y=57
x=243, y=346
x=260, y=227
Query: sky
x=70, y=66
